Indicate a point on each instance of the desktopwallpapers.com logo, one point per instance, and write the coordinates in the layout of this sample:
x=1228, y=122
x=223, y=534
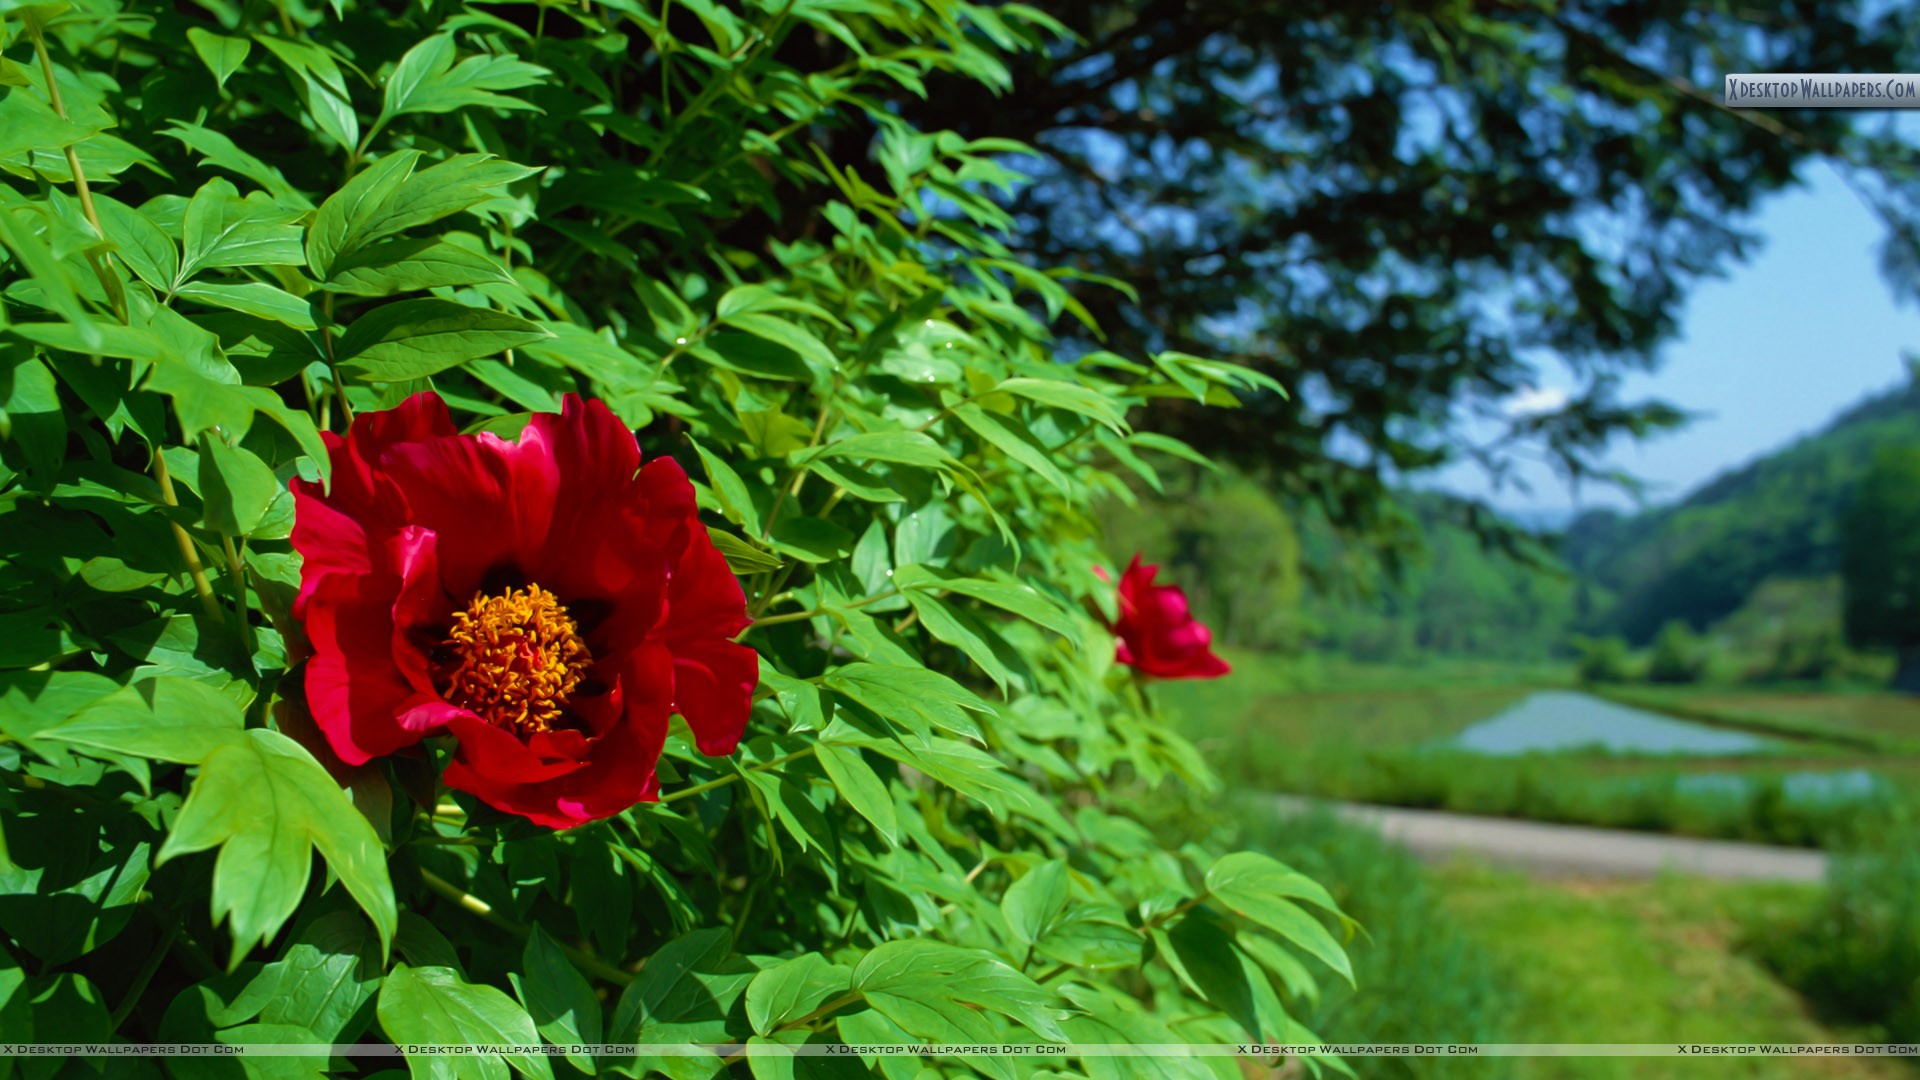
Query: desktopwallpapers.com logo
x=1797, y=91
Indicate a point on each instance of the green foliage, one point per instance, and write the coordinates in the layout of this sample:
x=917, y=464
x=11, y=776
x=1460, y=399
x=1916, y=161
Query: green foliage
x=1880, y=558
x=227, y=232
x=1677, y=656
x=1603, y=660
x=1857, y=957
x=1420, y=976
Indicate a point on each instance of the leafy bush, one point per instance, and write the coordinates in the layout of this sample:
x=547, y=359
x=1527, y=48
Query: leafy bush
x=1603, y=660
x=1421, y=976
x=1677, y=656
x=1858, y=956
x=230, y=230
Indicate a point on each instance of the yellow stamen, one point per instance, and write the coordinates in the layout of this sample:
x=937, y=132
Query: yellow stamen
x=520, y=658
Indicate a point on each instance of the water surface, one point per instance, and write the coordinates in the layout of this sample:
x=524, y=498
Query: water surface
x=1557, y=720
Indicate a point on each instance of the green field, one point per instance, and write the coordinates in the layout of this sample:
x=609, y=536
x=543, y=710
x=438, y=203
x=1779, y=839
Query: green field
x=1668, y=960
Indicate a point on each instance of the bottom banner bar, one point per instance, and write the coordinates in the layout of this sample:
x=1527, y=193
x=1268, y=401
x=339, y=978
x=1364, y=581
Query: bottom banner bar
x=771, y=1048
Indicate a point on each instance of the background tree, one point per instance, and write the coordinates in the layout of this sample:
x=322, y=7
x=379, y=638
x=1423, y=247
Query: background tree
x=1880, y=561
x=1406, y=212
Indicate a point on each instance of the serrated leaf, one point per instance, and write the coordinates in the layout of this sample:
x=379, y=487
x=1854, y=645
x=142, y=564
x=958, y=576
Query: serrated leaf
x=266, y=804
x=167, y=719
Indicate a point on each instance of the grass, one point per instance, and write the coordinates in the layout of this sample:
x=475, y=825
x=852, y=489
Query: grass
x=1667, y=960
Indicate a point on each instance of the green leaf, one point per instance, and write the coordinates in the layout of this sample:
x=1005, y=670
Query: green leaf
x=914, y=696
x=861, y=787
x=810, y=539
x=235, y=487
x=1258, y=887
x=1212, y=966
x=427, y=81
x=1245, y=879
x=966, y=633
x=414, y=339
x=734, y=497
x=221, y=152
x=223, y=55
x=1016, y=597
x=905, y=447
x=794, y=989
x=433, y=1005
x=322, y=87
x=932, y=990
x=389, y=197
x=223, y=229
x=790, y=335
x=167, y=719
x=1070, y=396
x=1093, y=936
x=146, y=248
x=1013, y=440
x=558, y=997
x=266, y=804
x=254, y=298
x=348, y=216
x=397, y=266
x=326, y=978
x=666, y=973
x=742, y=557
x=1035, y=903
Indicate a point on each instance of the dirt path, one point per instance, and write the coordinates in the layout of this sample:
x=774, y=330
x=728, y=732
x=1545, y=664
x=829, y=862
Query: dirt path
x=1574, y=849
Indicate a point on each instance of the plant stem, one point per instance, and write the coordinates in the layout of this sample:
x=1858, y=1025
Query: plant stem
x=592, y=965
x=796, y=616
x=199, y=573
x=238, y=572
x=115, y=294
x=723, y=781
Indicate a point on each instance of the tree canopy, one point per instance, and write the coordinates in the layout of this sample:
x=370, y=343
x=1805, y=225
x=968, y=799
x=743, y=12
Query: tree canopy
x=1405, y=213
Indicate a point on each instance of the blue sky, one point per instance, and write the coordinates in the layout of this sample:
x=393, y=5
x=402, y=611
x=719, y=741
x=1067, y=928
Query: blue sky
x=1771, y=352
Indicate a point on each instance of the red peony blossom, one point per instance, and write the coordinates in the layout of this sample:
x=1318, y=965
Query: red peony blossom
x=547, y=603
x=1157, y=631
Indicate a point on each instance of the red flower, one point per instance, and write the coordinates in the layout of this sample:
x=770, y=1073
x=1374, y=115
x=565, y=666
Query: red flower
x=547, y=602
x=1157, y=631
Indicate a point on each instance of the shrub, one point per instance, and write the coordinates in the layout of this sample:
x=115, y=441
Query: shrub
x=1858, y=956
x=1603, y=660
x=1422, y=977
x=1678, y=656
x=230, y=229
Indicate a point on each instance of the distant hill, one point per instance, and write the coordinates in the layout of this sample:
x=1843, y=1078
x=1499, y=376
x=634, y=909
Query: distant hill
x=1778, y=517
